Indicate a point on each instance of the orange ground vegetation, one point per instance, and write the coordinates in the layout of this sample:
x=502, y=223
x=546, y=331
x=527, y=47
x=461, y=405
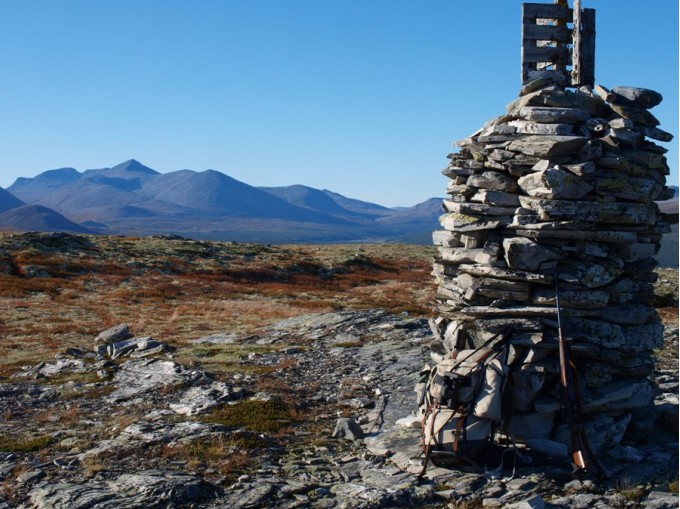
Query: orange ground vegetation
x=61, y=292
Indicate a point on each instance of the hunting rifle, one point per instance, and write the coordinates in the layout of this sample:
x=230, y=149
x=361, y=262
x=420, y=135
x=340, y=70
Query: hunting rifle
x=582, y=455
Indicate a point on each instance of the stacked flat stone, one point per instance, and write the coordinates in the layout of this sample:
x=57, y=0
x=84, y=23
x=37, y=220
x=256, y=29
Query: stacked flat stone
x=564, y=185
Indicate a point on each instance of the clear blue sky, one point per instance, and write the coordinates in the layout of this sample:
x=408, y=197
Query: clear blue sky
x=362, y=97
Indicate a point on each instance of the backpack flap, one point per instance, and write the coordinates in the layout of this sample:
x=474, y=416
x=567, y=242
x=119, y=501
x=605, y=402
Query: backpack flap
x=455, y=382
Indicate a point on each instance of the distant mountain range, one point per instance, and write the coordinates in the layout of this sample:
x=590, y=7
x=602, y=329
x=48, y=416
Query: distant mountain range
x=133, y=199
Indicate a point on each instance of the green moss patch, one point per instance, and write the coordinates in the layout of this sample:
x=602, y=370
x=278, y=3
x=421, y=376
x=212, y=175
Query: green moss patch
x=253, y=415
x=23, y=444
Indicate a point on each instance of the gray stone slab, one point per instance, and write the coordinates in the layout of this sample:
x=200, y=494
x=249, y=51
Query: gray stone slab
x=446, y=238
x=458, y=254
x=548, y=146
x=656, y=133
x=554, y=183
x=552, y=115
x=637, y=115
x=585, y=299
x=618, y=162
x=636, y=338
x=629, y=314
x=467, y=223
x=529, y=127
x=498, y=198
x=512, y=275
x=591, y=151
x=620, y=185
x=493, y=180
x=606, y=213
x=524, y=254
x=477, y=208
x=580, y=169
x=115, y=333
x=628, y=137
x=635, y=96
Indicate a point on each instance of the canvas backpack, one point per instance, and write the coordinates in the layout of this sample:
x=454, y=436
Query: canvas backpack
x=461, y=406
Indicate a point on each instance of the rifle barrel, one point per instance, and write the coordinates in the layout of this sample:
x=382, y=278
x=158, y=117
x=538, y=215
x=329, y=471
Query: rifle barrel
x=570, y=405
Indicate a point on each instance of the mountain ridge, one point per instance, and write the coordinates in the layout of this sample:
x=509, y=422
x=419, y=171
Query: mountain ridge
x=131, y=198
x=39, y=218
x=8, y=201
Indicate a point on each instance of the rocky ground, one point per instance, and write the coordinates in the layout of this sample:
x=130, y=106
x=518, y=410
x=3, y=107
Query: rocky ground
x=268, y=418
x=140, y=430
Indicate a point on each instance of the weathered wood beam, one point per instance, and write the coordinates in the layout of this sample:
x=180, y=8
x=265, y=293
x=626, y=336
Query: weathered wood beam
x=557, y=77
x=546, y=11
x=544, y=39
x=583, y=58
x=547, y=33
x=587, y=56
x=546, y=54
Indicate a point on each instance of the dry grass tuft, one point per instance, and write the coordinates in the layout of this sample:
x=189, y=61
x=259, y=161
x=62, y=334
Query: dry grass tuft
x=673, y=486
x=629, y=490
x=93, y=465
x=227, y=454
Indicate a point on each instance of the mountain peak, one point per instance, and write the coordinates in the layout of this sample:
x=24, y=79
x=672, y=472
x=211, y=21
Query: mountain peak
x=132, y=165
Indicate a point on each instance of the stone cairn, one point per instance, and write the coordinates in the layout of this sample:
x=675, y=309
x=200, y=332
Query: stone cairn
x=563, y=185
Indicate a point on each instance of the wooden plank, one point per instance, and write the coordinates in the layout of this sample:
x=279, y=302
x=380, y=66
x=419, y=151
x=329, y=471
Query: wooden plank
x=546, y=33
x=557, y=77
x=583, y=67
x=546, y=11
x=576, y=51
x=544, y=37
x=546, y=54
x=526, y=43
x=588, y=48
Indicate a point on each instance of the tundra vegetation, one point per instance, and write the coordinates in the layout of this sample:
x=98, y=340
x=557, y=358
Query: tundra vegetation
x=59, y=291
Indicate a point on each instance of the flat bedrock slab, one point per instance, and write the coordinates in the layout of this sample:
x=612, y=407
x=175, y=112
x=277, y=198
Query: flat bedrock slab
x=128, y=491
x=142, y=377
x=198, y=399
